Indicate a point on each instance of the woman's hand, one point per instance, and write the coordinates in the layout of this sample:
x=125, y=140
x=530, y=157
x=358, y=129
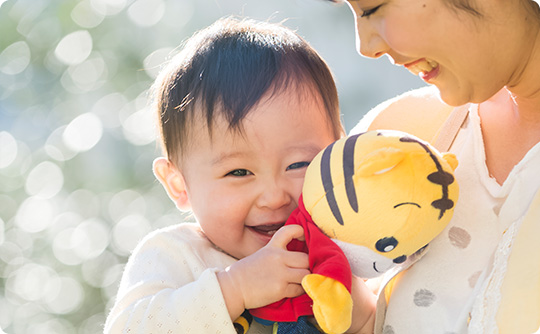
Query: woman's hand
x=364, y=305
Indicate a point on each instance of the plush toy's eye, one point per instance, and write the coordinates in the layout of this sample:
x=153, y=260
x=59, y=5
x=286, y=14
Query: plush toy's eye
x=386, y=245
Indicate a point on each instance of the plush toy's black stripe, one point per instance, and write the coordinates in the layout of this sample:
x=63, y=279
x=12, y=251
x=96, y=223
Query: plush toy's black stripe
x=348, y=171
x=439, y=177
x=326, y=178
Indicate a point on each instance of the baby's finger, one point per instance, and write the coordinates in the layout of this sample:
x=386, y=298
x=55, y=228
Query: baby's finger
x=296, y=275
x=297, y=260
x=285, y=234
x=293, y=290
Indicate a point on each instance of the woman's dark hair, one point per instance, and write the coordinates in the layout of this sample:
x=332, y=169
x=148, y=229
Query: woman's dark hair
x=226, y=69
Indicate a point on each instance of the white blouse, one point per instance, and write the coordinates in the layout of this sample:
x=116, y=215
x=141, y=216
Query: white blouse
x=437, y=294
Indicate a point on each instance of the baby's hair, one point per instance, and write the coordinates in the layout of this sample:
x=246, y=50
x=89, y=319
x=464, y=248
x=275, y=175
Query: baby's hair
x=225, y=69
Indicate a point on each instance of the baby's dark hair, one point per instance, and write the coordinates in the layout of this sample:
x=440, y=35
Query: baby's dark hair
x=225, y=69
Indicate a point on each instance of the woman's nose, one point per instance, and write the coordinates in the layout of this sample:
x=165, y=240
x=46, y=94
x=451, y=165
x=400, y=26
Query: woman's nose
x=369, y=42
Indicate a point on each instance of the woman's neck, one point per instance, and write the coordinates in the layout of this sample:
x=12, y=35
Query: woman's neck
x=524, y=85
x=510, y=128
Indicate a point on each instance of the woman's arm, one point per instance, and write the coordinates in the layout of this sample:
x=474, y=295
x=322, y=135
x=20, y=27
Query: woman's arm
x=364, y=306
x=409, y=112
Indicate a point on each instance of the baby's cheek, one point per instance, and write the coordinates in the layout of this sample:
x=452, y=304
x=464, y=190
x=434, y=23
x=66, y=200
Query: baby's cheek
x=296, y=189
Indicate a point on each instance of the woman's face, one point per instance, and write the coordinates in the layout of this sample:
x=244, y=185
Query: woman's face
x=468, y=57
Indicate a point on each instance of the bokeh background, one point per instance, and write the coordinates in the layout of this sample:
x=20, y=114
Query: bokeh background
x=77, y=138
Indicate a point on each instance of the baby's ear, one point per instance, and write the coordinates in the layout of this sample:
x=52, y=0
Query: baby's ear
x=173, y=181
x=379, y=161
x=451, y=159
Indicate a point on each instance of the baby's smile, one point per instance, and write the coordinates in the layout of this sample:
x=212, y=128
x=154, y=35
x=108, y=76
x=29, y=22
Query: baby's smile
x=267, y=229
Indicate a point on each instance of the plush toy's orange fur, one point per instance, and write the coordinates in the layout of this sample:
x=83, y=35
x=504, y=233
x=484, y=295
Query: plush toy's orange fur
x=381, y=196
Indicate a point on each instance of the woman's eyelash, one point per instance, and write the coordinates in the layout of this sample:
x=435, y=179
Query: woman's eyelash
x=369, y=12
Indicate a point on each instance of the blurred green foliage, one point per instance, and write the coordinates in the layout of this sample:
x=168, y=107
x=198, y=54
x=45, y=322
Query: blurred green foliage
x=77, y=138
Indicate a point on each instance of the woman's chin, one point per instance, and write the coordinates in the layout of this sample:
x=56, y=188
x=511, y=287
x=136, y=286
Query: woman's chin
x=453, y=98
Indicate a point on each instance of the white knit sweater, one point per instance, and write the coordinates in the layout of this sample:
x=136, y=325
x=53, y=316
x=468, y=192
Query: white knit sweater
x=170, y=286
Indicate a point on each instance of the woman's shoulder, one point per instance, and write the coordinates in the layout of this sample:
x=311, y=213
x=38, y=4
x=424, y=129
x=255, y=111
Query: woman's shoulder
x=420, y=112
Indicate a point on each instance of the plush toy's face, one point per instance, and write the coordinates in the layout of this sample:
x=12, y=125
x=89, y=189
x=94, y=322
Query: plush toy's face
x=382, y=196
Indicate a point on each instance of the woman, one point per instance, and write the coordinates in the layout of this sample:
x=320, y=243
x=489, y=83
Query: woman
x=482, y=274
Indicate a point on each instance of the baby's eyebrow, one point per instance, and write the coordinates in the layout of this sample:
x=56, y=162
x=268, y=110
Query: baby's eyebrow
x=312, y=149
x=227, y=156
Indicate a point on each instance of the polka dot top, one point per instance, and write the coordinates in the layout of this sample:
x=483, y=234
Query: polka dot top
x=437, y=293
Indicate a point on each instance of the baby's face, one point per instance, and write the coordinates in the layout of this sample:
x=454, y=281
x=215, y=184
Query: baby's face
x=242, y=187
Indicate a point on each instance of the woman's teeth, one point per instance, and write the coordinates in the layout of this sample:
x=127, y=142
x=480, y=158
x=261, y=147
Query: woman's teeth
x=423, y=66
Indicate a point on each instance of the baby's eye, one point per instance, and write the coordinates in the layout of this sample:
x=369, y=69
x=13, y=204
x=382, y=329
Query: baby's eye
x=369, y=12
x=239, y=172
x=297, y=165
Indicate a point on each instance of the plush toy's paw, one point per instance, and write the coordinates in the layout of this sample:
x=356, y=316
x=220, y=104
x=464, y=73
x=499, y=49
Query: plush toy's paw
x=332, y=303
x=242, y=323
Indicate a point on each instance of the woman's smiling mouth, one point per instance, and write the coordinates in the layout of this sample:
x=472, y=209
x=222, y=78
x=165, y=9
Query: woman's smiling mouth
x=425, y=68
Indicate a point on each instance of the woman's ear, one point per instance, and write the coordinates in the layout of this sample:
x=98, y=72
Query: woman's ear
x=173, y=181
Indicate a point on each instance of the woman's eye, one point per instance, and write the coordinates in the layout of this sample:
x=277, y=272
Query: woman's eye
x=369, y=12
x=239, y=172
x=297, y=165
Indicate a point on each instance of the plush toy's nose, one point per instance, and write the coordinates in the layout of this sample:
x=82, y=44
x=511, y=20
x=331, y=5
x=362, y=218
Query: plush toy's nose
x=400, y=259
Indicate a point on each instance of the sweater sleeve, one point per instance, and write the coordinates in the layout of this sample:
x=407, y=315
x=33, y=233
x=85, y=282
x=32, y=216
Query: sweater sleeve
x=167, y=287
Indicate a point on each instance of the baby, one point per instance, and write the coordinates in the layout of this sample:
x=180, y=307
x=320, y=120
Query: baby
x=243, y=109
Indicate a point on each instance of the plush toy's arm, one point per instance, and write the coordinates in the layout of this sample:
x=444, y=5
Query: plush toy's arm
x=329, y=285
x=332, y=303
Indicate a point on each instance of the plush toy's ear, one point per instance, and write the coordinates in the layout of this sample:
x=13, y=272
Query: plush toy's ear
x=380, y=161
x=451, y=159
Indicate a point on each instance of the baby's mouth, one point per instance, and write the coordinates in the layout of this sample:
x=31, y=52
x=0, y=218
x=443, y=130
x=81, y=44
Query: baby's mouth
x=267, y=229
x=422, y=66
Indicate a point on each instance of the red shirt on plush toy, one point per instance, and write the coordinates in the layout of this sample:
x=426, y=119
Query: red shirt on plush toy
x=325, y=258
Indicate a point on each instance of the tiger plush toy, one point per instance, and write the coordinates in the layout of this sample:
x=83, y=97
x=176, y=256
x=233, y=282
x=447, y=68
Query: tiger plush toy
x=368, y=203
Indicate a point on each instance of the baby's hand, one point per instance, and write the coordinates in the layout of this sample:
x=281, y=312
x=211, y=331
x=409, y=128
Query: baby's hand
x=270, y=274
